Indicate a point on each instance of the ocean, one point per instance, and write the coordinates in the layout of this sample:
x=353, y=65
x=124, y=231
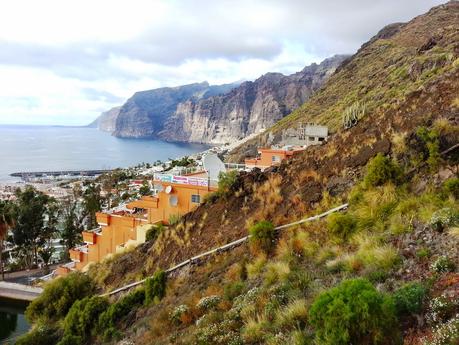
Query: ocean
x=48, y=148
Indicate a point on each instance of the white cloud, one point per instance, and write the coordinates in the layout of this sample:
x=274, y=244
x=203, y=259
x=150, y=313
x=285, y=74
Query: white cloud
x=63, y=62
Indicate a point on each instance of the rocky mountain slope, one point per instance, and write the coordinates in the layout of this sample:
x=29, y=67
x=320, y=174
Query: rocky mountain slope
x=216, y=114
x=402, y=64
x=385, y=271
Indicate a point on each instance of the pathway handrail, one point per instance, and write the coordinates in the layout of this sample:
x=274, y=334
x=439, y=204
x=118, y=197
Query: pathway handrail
x=227, y=246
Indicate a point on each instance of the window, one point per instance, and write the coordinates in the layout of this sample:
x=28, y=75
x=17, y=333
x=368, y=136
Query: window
x=275, y=159
x=321, y=139
x=195, y=198
x=312, y=138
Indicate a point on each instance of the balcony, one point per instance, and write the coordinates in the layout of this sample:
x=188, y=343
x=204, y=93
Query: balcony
x=89, y=237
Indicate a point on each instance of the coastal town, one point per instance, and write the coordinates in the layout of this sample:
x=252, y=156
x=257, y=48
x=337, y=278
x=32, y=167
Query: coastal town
x=148, y=195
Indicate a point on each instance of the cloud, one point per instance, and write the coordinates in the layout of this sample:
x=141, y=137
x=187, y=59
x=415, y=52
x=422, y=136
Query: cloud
x=95, y=54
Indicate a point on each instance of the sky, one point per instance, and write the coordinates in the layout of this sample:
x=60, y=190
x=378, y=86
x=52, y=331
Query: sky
x=64, y=62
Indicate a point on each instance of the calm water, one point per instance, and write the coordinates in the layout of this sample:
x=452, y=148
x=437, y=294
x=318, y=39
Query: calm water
x=35, y=148
x=12, y=320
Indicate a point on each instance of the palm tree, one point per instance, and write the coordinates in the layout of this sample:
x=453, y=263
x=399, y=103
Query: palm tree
x=6, y=221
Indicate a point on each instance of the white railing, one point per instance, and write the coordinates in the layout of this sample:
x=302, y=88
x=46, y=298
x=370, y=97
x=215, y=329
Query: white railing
x=227, y=247
x=178, y=179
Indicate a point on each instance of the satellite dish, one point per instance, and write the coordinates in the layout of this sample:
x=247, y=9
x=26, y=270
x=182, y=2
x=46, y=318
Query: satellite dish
x=213, y=165
x=173, y=200
x=168, y=189
x=158, y=187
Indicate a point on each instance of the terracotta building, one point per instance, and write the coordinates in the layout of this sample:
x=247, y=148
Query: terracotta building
x=126, y=226
x=271, y=156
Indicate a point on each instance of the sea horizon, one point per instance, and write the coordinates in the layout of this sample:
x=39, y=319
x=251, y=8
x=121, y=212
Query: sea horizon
x=26, y=148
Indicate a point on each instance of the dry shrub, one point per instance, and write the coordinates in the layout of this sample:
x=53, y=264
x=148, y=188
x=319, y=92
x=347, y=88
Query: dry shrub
x=268, y=196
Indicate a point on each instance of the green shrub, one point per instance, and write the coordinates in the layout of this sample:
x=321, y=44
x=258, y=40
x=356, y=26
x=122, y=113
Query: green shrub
x=174, y=219
x=232, y=290
x=409, y=299
x=262, y=234
x=430, y=138
x=115, y=312
x=341, y=225
x=39, y=335
x=153, y=233
x=83, y=316
x=353, y=312
x=58, y=296
x=226, y=180
x=451, y=186
x=69, y=339
x=155, y=287
x=381, y=170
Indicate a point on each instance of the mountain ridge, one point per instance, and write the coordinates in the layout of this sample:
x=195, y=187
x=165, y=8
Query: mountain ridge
x=219, y=113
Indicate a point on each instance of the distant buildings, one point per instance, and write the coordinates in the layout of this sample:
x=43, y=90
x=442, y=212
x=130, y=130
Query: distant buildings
x=293, y=142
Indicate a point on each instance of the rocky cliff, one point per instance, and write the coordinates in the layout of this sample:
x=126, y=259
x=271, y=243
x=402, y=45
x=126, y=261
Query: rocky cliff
x=216, y=114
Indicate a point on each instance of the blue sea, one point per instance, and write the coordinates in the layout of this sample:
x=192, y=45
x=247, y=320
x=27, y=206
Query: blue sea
x=48, y=148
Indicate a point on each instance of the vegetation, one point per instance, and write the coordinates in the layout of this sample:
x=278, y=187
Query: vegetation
x=381, y=170
x=263, y=235
x=81, y=320
x=342, y=226
x=58, y=297
x=155, y=287
x=35, y=225
x=409, y=299
x=354, y=311
x=153, y=233
x=226, y=180
x=117, y=311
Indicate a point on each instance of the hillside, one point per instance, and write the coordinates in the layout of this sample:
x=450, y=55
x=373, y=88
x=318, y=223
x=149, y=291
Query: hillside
x=216, y=114
x=383, y=271
x=399, y=73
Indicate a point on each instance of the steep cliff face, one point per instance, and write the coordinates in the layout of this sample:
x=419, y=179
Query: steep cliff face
x=145, y=113
x=247, y=109
x=216, y=114
x=107, y=120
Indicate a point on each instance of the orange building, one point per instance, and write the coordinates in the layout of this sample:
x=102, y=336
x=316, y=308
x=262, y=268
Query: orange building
x=269, y=157
x=127, y=225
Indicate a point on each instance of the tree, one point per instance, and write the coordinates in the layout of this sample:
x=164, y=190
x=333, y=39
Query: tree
x=92, y=203
x=145, y=189
x=6, y=221
x=35, y=222
x=71, y=232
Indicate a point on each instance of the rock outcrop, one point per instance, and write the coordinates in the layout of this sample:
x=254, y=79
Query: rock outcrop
x=216, y=114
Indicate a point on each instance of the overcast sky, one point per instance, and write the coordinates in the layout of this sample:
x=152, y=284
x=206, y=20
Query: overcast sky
x=64, y=62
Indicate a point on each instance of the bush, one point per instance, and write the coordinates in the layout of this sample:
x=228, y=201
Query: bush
x=83, y=316
x=39, y=335
x=155, y=287
x=232, y=290
x=381, y=170
x=58, y=296
x=209, y=302
x=353, y=312
x=341, y=225
x=153, y=233
x=262, y=234
x=443, y=264
x=451, y=186
x=115, y=312
x=226, y=180
x=430, y=138
x=444, y=218
x=409, y=299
